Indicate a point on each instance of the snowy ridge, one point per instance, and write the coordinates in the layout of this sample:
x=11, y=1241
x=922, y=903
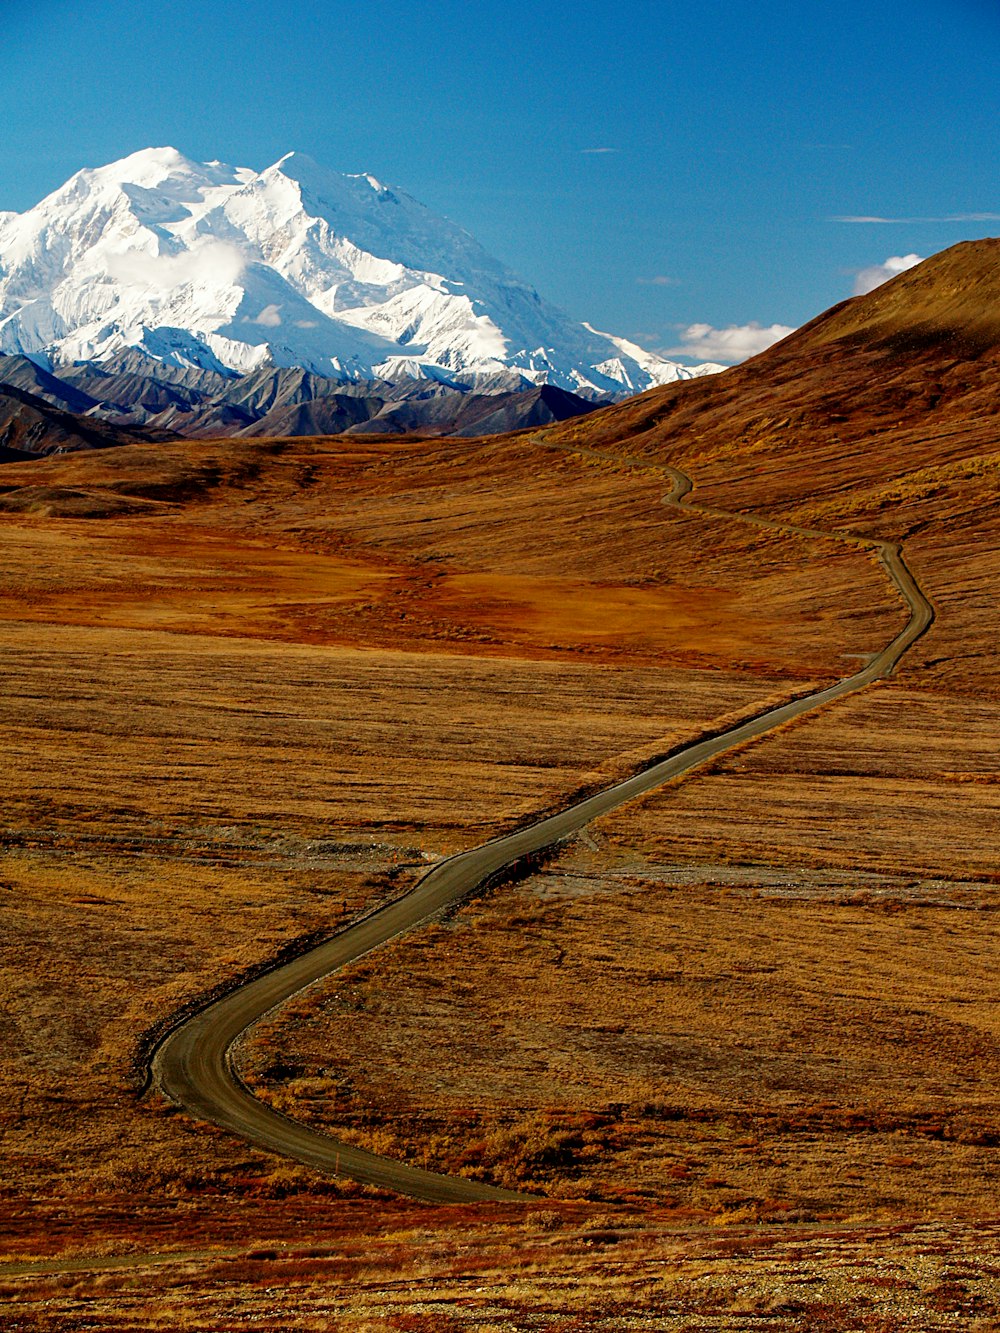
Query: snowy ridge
x=226, y=269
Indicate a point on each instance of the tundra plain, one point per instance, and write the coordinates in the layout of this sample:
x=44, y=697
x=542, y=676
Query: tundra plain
x=740, y=1036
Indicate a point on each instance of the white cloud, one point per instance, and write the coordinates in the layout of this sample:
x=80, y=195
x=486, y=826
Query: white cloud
x=947, y=217
x=210, y=262
x=269, y=317
x=307, y=324
x=867, y=279
x=733, y=343
x=659, y=280
x=599, y=150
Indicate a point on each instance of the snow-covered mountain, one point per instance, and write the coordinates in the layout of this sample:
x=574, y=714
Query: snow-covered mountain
x=227, y=269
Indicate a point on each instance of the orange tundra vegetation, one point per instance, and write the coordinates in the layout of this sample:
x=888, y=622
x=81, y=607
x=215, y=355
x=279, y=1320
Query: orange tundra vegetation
x=741, y=1034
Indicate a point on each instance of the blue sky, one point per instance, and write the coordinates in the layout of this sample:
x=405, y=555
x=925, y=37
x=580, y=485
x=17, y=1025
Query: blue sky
x=649, y=169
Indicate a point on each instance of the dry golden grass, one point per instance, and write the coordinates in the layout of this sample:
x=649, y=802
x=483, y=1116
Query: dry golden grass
x=643, y=1027
x=189, y=789
x=179, y=807
x=381, y=1269
x=249, y=689
x=493, y=549
x=770, y=1045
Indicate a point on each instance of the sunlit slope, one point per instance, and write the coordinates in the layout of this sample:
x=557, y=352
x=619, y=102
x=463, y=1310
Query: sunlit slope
x=873, y=388
x=763, y=993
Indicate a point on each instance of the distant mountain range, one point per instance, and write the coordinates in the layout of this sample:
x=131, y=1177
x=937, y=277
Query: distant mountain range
x=222, y=270
x=131, y=396
x=30, y=426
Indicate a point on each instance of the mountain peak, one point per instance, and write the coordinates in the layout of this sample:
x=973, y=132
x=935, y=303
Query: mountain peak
x=353, y=192
x=297, y=165
x=165, y=157
x=146, y=167
x=293, y=162
x=204, y=264
x=164, y=169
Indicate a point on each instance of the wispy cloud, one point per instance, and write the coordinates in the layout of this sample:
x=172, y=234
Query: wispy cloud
x=946, y=217
x=208, y=263
x=659, y=280
x=733, y=343
x=600, y=150
x=269, y=317
x=867, y=279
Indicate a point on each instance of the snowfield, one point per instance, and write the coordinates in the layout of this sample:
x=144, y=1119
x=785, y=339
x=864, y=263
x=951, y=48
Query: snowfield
x=223, y=268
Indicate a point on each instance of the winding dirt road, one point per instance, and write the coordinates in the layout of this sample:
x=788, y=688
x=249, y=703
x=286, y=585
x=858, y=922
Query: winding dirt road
x=193, y=1063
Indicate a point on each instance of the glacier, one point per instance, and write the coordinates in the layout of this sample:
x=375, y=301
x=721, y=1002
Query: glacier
x=225, y=269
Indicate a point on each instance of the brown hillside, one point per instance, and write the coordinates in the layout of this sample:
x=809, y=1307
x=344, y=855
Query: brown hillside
x=950, y=302
x=879, y=385
x=743, y=1033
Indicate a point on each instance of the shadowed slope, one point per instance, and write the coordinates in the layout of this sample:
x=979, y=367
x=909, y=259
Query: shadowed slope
x=29, y=425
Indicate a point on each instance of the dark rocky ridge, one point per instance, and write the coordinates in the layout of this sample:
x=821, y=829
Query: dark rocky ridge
x=29, y=426
x=133, y=394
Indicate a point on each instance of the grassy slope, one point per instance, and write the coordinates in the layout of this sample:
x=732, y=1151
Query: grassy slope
x=753, y=997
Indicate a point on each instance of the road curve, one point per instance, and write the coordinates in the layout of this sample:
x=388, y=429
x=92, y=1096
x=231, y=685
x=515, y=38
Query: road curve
x=193, y=1064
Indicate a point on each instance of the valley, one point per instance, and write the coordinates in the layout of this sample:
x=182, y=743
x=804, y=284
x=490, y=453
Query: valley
x=737, y=1034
